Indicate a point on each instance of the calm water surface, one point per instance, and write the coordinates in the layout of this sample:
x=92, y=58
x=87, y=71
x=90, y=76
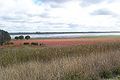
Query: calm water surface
x=75, y=35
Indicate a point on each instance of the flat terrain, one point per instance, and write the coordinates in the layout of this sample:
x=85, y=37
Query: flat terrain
x=100, y=61
x=67, y=42
x=72, y=59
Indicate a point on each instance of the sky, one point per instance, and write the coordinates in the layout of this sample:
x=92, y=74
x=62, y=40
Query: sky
x=59, y=15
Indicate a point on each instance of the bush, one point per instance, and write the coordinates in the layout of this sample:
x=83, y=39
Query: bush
x=33, y=43
x=27, y=37
x=105, y=74
x=4, y=37
x=16, y=37
x=26, y=43
x=21, y=37
x=116, y=71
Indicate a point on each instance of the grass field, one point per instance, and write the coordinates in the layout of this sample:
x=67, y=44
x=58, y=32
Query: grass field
x=99, y=61
x=69, y=41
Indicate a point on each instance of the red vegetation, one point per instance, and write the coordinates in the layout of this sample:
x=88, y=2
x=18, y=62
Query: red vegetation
x=67, y=42
x=62, y=42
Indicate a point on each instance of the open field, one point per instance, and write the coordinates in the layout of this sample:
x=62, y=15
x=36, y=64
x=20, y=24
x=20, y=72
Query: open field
x=69, y=42
x=99, y=61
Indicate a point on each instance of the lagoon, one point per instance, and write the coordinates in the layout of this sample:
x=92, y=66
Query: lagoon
x=68, y=35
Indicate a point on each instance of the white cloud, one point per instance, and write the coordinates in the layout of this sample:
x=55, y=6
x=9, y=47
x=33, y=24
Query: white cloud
x=59, y=15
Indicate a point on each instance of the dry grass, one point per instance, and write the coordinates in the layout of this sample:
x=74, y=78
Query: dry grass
x=85, y=62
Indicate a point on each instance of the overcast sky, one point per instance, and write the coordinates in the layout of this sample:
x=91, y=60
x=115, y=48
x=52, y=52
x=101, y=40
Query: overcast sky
x=59, y=15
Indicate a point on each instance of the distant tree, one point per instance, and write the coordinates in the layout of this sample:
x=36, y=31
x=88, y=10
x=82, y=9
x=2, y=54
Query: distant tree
x=21, y=37
x=4, y=37
x=16, y=37
x=27, y=37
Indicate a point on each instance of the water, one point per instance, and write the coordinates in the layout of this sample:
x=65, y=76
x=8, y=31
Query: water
x=74, y=35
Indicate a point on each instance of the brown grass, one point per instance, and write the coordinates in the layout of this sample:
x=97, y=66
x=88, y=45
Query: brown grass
x=85, y=62
x=84, y=67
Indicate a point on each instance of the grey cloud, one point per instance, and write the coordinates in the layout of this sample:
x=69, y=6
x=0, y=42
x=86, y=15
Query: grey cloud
x=45, y=15
x=56, y=1
x=90, y=2
x=41, y=15
x=29, y=15
x=25, y=14
x=16, y=16
x=18, y=21
x=56, y=23
x=32, y=15
x=55, y=5
x=12, y=19
x=24, y=21
x=103, y=12
x=2, y=26
x=73, y=25
x=52, y=3
x=23, y=17
x=8, y=18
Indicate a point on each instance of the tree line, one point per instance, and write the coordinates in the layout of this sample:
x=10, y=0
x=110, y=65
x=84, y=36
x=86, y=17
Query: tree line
x=22, y=37
x=5, y=37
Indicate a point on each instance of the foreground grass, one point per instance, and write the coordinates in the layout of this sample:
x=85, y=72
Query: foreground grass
x=85, y=62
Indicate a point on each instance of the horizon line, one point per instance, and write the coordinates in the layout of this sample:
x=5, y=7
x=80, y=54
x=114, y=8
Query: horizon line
x=64, y=32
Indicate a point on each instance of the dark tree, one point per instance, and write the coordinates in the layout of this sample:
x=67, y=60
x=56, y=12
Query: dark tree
x=27, y=37
x=16, y=37
x=21, y=37
x=4, y=37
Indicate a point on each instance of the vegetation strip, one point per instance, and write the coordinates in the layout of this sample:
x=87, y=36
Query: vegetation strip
x=85, y=62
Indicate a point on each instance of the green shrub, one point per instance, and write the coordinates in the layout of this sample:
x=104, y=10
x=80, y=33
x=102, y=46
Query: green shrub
x=105, y=74
x=27, y=37
x=16, y=37
x=4, y=37
x=116, y=71
x=21, y=37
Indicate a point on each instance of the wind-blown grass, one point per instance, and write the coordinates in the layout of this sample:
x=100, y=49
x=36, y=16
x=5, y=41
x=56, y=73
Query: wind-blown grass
x=84, y=62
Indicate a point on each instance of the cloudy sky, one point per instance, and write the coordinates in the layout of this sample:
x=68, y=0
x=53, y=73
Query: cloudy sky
x=59, y=15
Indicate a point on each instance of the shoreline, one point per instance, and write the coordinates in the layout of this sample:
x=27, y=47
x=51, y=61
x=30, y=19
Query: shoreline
x=88, y=36
x=61, y=42
x=68, y=41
